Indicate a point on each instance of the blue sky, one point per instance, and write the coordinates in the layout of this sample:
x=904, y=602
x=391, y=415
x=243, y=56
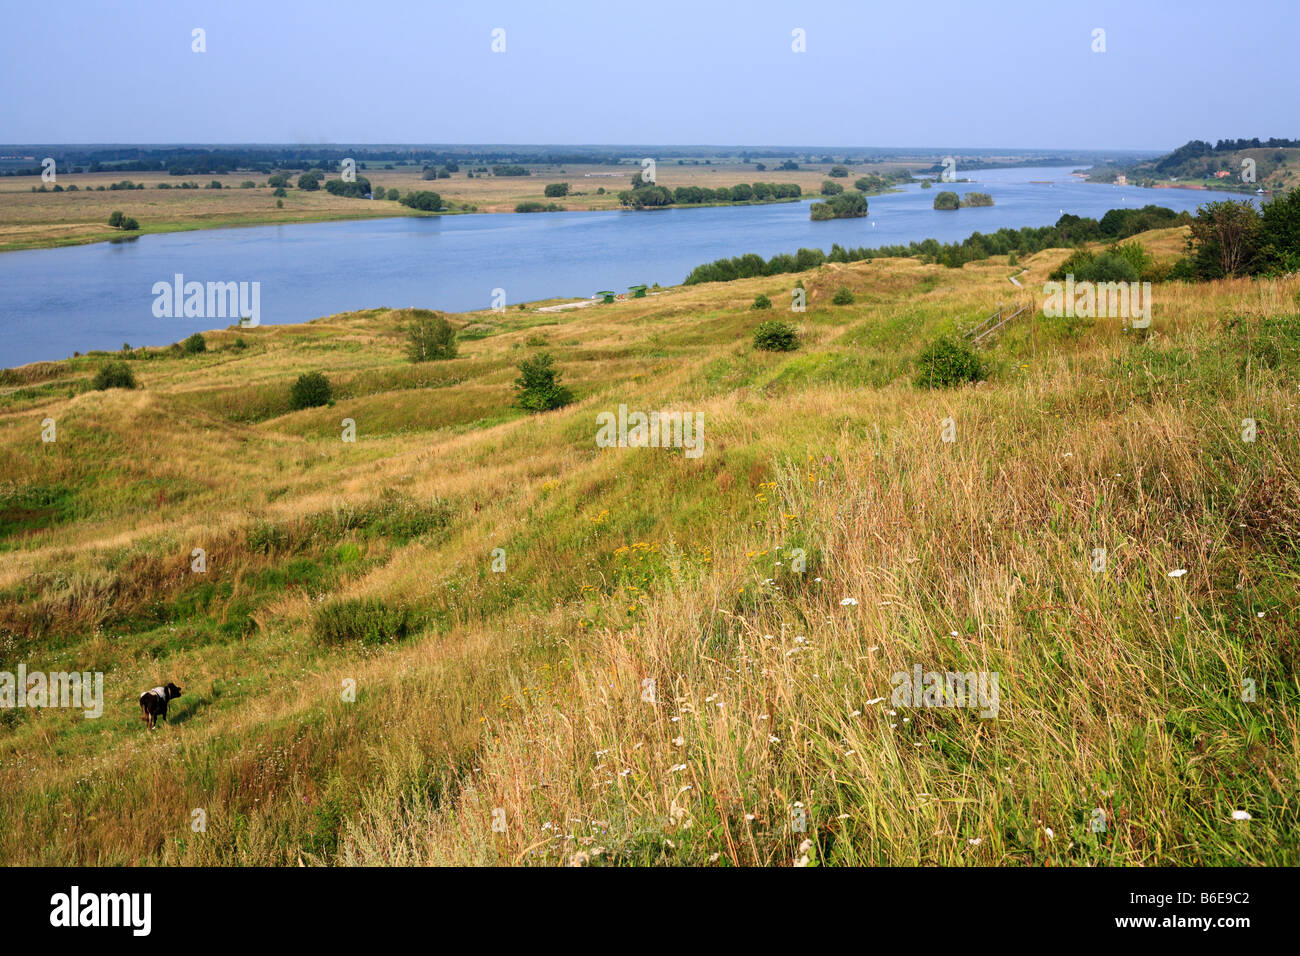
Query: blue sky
x=899, y=73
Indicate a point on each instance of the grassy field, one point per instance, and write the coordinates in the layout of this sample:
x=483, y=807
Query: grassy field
x=520, y=698
x=37, y=220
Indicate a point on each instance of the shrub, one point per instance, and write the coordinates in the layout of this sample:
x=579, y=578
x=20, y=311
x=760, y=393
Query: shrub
x=115, y=220
x=424, y=200
x=359, y=188
x=1109, y=266
x=310, y=391
x=775, y=336
x=946, y=362
x=977, y=199
x=831, y=189
x=279, y=192
x=429, y=336
x=762, y=302
x=555, y=190
x=842, y=296
x=1279, y=231
x=130, y=224
x=1135, y=254
x=947, y=200
x=843, y=206
x=539, y=385
x=366, y=620
x=114, y=375
x=194, y=344
x=534, y=206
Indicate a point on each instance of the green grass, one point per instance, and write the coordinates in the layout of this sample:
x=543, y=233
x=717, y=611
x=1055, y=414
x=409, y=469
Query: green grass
x=367, y=566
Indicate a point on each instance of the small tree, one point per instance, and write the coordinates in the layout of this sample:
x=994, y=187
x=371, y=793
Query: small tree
x=539, y=385
x=114, y=375
x=555, y=190
x=115, y=220
x=762, y=302
x=842, y=296
x=194, y=344
x=947, y=200
x=311, y=390
x=1224, y=238
x=775, y=336
x=429, y=336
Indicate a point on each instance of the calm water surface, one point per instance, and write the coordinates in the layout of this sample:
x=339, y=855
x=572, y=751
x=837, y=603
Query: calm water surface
x=55, y=301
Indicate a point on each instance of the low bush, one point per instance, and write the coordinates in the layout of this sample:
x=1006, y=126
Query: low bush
x=114, y=375
x=946, y=362
x=310, y=391
x=776, y=336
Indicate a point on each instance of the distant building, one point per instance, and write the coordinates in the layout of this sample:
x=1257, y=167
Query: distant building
x=1222, y=174
x=1121, y=180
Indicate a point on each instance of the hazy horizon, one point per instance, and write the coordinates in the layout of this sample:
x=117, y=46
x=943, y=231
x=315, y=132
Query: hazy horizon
x=408, y=72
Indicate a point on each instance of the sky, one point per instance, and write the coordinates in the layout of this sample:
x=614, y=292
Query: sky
x=941, y=73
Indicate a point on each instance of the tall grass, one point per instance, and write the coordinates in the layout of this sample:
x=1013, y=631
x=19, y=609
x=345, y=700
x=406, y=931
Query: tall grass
x=652, y=679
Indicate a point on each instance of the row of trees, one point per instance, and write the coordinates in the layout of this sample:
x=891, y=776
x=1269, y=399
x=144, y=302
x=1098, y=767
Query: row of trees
x=1069, y=230
x=643, y=194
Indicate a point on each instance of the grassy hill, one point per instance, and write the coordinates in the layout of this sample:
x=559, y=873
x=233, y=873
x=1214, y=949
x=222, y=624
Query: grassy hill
x=1277, y=169
x=522, y=696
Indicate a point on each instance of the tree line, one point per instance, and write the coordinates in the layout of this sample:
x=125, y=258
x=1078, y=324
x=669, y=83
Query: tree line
x=1069, y=230
x=645, y=194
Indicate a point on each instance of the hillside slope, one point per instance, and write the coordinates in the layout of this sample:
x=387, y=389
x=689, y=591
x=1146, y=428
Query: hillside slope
x=649, y=680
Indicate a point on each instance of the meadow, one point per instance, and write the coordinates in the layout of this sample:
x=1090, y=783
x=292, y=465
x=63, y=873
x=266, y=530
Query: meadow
x=39, y=220
x=654, y=677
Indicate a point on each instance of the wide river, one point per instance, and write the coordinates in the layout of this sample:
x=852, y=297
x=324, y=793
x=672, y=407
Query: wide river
x=55, y=301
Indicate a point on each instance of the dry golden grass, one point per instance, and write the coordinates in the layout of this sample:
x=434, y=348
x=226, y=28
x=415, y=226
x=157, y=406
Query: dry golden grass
x=519, y=697
x=31, y=220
